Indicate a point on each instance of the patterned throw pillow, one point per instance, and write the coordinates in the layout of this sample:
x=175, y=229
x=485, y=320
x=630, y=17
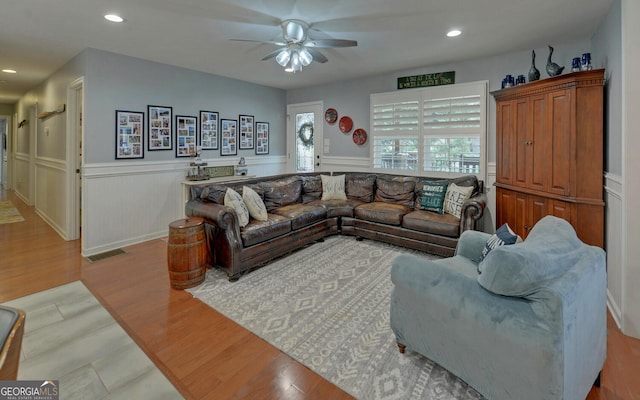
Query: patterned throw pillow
x=333, y=187
x=503, y=236
x=433, y=196
x=234, y=200
x=254, y=204
x=455, y=198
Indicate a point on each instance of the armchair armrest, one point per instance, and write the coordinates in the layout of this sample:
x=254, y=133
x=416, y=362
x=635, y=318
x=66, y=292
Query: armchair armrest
x=471, y=244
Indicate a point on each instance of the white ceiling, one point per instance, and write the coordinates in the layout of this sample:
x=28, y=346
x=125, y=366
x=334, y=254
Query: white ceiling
x=37, y=37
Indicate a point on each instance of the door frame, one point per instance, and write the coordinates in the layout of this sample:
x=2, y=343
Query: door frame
x=73, y=143
x=317, y=107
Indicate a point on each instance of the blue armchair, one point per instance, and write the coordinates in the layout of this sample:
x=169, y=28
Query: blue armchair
x=527, y=322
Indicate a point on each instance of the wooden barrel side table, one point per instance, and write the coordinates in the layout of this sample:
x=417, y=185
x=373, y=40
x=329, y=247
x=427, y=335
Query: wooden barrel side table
x=187, y=252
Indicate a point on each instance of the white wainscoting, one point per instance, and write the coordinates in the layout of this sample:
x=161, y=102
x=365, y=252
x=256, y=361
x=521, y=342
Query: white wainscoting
x=51, y=193
x=613, y=189
x=490, y=190
x=131, y=202
x=346, y=164
x=21, y=182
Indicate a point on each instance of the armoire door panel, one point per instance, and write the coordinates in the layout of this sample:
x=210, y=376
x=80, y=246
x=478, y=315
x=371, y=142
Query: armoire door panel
x=523, y=139
x=539, y=147
x=505, y=143
x=559, y=120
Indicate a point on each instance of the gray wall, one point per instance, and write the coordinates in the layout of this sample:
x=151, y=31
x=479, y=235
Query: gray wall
x=352, y=97
x=117, y=82
x=607, y=53
x=7, y=109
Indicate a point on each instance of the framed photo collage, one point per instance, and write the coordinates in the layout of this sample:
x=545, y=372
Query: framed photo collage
x=187, y=132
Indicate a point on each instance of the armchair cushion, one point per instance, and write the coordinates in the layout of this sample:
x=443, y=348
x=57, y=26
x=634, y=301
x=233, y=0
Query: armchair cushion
x=521, y=270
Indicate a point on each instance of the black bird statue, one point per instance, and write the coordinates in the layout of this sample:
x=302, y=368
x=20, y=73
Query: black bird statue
x=534, y=74
x=553, y=69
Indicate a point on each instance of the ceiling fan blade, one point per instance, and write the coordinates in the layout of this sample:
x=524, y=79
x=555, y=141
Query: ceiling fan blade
x=317, y=56
x=260, y=41
x=331, y=43
x=271, y=55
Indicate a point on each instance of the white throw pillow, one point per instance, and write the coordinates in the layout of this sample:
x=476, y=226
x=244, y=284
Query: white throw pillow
x=254, y=204
x=455, y=198
x=234, y=200
x=333, y=187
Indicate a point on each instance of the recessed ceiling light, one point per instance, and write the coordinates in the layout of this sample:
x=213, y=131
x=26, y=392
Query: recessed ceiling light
x=9, y=71
x=113, y=18
x=454, y=33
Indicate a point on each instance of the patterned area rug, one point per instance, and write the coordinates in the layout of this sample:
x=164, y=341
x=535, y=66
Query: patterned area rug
x=9, y=213
x=327, y=306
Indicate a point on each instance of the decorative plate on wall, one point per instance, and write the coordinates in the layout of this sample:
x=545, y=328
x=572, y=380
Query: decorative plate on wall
x=345, y=124
x=359, y=136
x=331, y=115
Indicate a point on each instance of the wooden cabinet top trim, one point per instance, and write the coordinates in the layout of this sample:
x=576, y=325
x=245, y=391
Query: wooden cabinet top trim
x=573, y=79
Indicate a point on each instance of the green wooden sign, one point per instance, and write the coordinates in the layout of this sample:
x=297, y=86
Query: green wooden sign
x=435, y=79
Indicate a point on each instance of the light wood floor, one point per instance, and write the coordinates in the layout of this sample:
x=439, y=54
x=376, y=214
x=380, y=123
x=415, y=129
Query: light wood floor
x=205, y=355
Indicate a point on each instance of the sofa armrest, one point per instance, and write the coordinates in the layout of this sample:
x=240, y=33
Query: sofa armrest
x=471, y=244
x=472, y=212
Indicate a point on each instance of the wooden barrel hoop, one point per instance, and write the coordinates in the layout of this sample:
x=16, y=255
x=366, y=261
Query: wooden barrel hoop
x=186, y=253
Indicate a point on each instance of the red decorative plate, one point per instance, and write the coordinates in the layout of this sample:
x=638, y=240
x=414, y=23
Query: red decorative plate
x=359, y=136
x=345, y=124
x=331, y=115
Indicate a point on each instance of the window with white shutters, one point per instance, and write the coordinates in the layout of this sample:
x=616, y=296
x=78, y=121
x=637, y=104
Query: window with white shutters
x=441, y=129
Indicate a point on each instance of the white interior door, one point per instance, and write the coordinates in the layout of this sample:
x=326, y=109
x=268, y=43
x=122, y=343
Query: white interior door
x=304, y=137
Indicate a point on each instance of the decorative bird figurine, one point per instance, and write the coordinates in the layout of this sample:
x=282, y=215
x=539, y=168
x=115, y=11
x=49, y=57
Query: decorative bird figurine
x=553, y=69
x=534, y=74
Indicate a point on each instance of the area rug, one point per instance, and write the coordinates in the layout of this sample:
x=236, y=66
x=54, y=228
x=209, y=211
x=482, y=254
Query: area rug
x=327, y=306
x=9, y=213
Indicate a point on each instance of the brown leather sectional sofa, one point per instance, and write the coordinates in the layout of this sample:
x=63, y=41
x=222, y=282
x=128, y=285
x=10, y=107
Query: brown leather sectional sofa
x=381, y=207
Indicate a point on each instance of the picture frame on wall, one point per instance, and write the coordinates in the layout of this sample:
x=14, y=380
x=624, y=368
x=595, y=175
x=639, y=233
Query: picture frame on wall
x=246, y=132
x=262, y=138
x=228, y=137
x=209, y=125
x=129, y=134
x=186, y=135
x=160, y=127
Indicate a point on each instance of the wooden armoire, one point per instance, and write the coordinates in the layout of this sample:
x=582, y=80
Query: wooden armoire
x=549, y=153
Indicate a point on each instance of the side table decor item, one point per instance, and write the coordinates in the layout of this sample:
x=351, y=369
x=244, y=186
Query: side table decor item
x=197, y=172
x=553, y=69
x=534, y=74
x=241, y=168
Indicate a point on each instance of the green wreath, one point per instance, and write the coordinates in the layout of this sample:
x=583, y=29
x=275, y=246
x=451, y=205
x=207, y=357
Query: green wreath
x=307, y=141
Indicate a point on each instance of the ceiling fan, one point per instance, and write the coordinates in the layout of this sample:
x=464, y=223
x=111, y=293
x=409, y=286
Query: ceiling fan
x=297, y=48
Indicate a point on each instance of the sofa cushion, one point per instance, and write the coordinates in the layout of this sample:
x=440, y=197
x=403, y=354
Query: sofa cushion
x=503, y=236
x=258, y=231
x=395, y=191
x=311, y=188
x=254, y=204
x=214, y=193
x=386, y=213
x=430, y=222
x=338, y=208
x=360, y=187
x=455, y=198
x=333, y=187
x=551, y=249
x=234, y=200
x=302, y=215
x=432, y=198
x=282, y=192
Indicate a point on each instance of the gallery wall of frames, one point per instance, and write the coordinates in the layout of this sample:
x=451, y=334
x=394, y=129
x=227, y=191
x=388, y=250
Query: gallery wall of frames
x=161, y=130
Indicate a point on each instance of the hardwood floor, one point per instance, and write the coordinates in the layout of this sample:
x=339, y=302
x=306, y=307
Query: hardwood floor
x=204, y=354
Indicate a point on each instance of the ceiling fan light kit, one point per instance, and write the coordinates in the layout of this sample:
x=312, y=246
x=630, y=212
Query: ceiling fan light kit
x=298, y=49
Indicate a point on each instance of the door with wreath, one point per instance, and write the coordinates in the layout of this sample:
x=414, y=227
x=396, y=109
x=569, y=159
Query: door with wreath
x=304, y=137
